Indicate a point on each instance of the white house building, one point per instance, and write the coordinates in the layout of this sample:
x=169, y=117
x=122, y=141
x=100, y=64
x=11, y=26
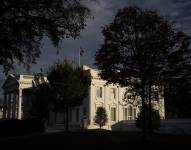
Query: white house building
x=100, y=95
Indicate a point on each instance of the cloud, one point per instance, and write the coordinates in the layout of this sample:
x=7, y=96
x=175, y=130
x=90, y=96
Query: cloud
x=91, y=38
x=103, y=12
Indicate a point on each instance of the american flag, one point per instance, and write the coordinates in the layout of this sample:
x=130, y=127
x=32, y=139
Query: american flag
x=81, y=51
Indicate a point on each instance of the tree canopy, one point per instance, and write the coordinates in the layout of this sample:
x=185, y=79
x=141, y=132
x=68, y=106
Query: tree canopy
x=41, y=98
x=156, y=119
x=24, y=23
x=142, y=49
x=101, y=117
x=70, y=85
x=138, y=45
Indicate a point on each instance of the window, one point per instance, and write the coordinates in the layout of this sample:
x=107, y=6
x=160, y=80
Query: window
x=112, y=93
x=84, y=111
x=125, y=113
x=113, y=114
x=134, y=112
x=99, y=92
x=130, y=113
x=77, y=115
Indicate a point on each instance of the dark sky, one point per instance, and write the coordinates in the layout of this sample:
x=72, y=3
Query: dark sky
x=91, y=38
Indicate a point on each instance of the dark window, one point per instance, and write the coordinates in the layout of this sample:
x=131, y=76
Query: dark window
x=99, y=92
x=113, y=114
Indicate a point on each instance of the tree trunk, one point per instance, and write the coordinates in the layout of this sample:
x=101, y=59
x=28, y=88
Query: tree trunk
x=150, y=110
x=67, y=119
x=143, y=111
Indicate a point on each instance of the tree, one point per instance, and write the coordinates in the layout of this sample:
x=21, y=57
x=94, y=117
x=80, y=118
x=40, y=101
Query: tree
x=178, y=95
x=156, y=120
x=40, y=97
x=101, y=117
x=177, y=90
x=24, y=23
x=70, y=84
x=136, y=51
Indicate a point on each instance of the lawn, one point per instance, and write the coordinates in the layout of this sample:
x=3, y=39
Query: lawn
x=95, y=139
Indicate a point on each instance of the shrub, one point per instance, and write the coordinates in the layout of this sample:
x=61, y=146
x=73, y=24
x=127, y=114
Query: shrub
x=155, y=119
x=15, y=127
x=10, y=127
x=33, y=125
x=101, y=117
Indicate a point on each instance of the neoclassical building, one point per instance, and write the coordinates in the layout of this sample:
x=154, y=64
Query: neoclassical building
x=14, y=103
x=111, y=97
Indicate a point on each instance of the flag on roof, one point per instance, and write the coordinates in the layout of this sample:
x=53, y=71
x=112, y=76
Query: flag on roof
x=81, y=51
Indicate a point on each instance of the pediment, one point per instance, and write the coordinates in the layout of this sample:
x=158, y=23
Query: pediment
x=99, y=104
x=10, y=81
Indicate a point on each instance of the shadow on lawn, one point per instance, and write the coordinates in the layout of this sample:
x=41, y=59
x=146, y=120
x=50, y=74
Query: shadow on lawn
x=15, y=127
x=95, y=139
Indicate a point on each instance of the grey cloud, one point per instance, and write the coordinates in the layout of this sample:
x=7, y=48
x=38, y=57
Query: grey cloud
x=104, y=12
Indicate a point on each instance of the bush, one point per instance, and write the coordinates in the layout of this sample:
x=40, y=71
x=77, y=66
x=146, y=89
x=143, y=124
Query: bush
x=10, y=127
x=15, y=127
x=155, y=119
x=33, y=125
x=101, y=117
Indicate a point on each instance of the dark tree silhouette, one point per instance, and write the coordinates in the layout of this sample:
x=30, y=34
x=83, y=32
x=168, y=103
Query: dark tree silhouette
x=177, y=97
x=177, y=89
x=41, y=98
x=24, y=23
x=101, y=117
x=156, y=120
x=70, y=84
x=136, y=51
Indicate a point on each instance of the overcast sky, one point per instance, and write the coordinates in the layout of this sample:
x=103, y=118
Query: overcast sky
x=104, y=12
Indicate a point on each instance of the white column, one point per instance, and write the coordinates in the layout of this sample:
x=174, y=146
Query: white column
x=9, y=106
x=90, y=99
x=117, y=98
x=20, y=104
x=5, y=106
x=91, y=104
x=14, y=106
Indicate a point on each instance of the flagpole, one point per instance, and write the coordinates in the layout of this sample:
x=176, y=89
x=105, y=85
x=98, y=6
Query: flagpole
x=79, y=57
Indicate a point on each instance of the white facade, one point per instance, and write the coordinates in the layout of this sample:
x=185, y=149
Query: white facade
x=100, y=95
x=111, y=97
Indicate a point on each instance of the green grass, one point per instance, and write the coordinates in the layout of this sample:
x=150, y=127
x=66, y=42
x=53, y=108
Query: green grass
x=101, y=139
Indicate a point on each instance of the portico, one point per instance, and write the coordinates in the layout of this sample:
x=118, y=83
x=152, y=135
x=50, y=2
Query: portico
x=13, y=98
